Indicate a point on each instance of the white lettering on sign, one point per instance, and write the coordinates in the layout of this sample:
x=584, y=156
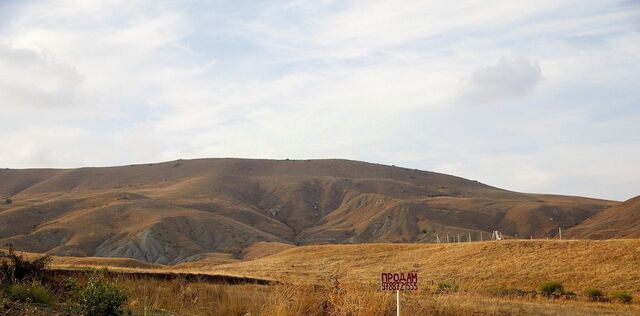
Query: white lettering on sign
x=399, y=281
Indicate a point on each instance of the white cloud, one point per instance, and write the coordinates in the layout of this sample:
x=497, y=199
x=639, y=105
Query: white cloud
x=509, y=77
x=31, y=78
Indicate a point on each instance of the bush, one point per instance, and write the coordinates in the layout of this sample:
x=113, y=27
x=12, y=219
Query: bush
x=101, y=297
x=622, y=296
x=550, y=288
x=16, y=268
x=594, y=294
x=30, y=292
x=8, y=201
x=447, y=287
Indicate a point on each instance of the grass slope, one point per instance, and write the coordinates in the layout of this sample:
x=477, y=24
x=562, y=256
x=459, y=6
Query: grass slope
x=619, y=221
x=608, y=265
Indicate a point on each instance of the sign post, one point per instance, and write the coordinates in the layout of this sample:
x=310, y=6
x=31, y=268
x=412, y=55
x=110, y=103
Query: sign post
x=397, y=302
x=399, y=281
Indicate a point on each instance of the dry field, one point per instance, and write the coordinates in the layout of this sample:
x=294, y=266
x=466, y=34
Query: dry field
x=608, y=265
x=342, y=279
x=151, y=296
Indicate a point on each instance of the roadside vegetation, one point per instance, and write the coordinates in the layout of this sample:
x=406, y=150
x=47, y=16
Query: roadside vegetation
x=29, y=288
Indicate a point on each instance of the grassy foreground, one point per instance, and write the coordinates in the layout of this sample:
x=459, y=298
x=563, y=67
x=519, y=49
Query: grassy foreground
x=482, y=278
x=184, y=298
x=150, y=296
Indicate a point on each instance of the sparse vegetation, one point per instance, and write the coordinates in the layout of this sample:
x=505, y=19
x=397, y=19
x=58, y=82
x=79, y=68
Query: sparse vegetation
x=31, y=292
x=622, y=296
x=447, y=287
x=551, y=288
x=102, y=297
x=14, y=267
x=594, y=294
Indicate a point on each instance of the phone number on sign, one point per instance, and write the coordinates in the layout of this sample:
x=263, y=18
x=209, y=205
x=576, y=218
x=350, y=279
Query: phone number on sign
x=399, y=286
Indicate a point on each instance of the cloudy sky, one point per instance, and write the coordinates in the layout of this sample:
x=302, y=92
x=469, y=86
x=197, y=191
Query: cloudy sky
x=541, y=96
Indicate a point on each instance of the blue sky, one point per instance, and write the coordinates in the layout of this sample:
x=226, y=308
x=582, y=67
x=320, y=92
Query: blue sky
x=538, y=96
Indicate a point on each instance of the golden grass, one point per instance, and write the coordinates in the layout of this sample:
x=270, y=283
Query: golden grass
x=343, y=280
x=263, y=249
x=608, y=265
x=151, y=296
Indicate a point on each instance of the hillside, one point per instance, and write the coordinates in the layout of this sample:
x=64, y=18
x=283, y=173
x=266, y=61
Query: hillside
x=618, y=221
x=187, y=210
x=609, y=265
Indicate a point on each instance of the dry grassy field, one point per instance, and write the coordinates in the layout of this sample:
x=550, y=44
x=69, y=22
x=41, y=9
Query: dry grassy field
x=490, y=278
x=151, y=296
x=610, y=264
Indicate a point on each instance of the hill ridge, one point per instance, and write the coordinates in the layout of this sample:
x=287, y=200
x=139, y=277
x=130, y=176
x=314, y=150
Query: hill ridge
x=223, y=205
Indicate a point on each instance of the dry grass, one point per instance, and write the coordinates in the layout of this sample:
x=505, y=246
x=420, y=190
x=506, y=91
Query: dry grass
x=310, y=274
x=151, y=297
x=609, y=265
x=342, y=280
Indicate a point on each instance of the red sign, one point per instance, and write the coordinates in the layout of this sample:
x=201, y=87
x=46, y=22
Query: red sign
x=399, y=281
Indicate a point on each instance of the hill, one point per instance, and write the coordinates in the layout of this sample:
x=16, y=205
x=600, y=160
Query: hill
x=187, y=210
x=618, y=221
x=609, y=265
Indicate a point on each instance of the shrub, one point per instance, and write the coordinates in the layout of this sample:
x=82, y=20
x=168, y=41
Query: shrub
x=101, y=297
x=550, y=288
x=8, y=201
x=30, y=292
x=594, y=294
x=16, y=268
x=447, y=287
x=622, y=296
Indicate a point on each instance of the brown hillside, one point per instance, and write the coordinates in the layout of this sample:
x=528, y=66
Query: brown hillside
x=179, y=211
x=618, y=221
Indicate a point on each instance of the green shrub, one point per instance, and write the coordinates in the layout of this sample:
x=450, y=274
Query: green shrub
x=447, y=287
x=30, y=292
x=594, y=294
x=622, y=296
x=102, y=297
x=551, y=288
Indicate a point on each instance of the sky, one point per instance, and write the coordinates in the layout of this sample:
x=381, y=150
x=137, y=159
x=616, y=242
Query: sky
x=531, y=96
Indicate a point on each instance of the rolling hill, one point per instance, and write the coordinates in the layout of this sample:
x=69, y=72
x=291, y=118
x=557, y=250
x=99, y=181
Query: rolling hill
x=607, y=264
x=187, y=210
x=618, y=221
